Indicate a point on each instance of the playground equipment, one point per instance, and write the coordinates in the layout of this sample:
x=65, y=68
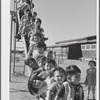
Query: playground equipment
x=14, y=16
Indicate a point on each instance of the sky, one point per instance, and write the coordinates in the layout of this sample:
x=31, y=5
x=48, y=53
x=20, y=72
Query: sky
x=66, y=19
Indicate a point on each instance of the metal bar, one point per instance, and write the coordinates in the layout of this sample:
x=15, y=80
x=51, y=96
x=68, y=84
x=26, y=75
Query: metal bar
x=10, y=49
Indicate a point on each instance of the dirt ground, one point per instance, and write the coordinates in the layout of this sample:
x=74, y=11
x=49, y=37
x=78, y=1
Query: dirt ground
x=18, y=85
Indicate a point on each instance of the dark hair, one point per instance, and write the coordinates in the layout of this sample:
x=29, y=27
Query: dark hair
x=37, y=34
x=59, y=69
x=32, y=5
x=28, y=2
x=33, y=90
x=30, y=15
x=92, y=62
x=28, y=10
x=43, y=45
x=48, y=51
x=30, y=60
x=51, y=61
x=38, y=19
x=33, y=19
x=72, y=69
x=41, y=58
x=35, y=13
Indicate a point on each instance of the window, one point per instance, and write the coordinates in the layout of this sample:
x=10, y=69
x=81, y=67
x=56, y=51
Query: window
x=83, y=47
x=93, y=46
x=88, y=47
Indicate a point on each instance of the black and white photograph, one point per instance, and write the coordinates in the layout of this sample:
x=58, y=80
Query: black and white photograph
x=52, y=50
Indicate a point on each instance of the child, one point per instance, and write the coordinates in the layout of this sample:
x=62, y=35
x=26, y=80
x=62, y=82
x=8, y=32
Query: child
x=26, y=24
x=41, y=47
x=59, y=78
x=32, y=63
x=23, y=6
x=41, y=60
x=34, y=14
x=71, y=90
x=49, y=66
x=38, y=22
x=91, y=78
x=35, y=83
x=34, y=40
x=32, y=21
x=49, y=56
x=24, y=27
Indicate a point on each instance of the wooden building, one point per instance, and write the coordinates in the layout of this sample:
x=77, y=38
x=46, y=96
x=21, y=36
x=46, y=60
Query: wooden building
x=84, y=48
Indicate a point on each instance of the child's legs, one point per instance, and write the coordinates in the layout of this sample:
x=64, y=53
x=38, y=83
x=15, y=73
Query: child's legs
x=89, y=88
x=93, y=91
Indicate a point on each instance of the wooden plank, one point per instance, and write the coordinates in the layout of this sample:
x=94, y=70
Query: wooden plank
x=27, y=69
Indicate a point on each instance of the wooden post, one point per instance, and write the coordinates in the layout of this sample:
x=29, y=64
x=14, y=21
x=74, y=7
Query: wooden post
x=10, y=49
x=15, y=29
x=14, y=42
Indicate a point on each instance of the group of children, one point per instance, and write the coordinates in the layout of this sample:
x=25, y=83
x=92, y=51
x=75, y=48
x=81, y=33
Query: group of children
x=29, y=26
x=48, y=81
x=51, y=82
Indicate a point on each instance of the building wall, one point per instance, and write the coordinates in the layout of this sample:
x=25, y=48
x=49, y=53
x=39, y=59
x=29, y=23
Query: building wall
x=89, y=50
x=89, y=53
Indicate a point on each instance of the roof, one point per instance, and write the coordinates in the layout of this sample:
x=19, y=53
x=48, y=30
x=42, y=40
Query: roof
x=86, y=40
x=79, y=39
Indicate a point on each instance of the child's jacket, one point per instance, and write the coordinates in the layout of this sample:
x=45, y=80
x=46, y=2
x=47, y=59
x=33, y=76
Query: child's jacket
x=68, y=91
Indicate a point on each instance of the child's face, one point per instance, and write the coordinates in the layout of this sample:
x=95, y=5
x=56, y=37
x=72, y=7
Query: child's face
x=40, y=50
x=29, y=17
x=48, y=66
x=32, y=63
x=37, y=29
x=37, y=39
x=49, y=56
x=76, y=78
x=59, y=76
x=37, y=23
x=41, y=63
x=34, y=15
x=91, y=64
x=37, y=83
x=32, y=21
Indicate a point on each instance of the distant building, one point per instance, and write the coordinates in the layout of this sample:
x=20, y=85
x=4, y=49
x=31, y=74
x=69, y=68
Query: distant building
x=81, y=48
